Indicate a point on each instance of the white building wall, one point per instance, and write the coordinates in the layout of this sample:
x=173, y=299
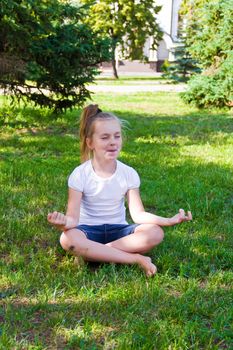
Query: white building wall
x=164, y=15
x=167, y=18
x=175, y=19
x=168, y=21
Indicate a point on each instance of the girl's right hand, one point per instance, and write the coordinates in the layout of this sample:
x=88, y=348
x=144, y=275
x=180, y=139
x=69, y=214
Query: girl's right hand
x=61, y=221
x=181, y=217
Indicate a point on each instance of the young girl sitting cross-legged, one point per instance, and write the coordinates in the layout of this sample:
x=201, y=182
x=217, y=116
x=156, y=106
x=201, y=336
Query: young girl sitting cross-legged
x=94, y=226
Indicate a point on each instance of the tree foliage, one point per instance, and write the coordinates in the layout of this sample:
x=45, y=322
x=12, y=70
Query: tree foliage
x=127, y=23
x=183, y=67
x=190, y=7
x=210, y=42
x=47, y=53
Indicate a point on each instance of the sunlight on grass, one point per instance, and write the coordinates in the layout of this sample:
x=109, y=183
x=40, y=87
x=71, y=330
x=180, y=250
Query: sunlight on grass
x=184, y=158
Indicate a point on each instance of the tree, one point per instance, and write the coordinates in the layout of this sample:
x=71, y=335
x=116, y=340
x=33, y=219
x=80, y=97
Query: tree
x=183, y=67
x=190, y=7
x=47, y=53
x=127, y=23
x=210, y=42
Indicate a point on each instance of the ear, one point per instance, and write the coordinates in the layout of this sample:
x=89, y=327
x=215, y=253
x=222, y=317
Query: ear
x=89, y=143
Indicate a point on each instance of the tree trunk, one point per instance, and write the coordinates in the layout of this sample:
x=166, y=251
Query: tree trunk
x=114, y=68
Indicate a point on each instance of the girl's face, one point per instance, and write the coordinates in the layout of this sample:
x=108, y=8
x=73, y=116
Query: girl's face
x=106, y=140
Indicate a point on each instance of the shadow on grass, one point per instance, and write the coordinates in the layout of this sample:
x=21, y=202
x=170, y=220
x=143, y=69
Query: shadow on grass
x=193, y=250
x=196, y=126
x=31, y=117
x=145, y=135
x=150, y=317
x=33, y=163
x=34, y=169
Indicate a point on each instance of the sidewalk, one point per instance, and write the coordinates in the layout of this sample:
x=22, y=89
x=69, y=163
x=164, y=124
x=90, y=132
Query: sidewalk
x=137, y=88
x=133, y=86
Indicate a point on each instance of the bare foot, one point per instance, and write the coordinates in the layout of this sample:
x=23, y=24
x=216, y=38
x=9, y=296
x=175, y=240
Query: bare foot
x=147, y=265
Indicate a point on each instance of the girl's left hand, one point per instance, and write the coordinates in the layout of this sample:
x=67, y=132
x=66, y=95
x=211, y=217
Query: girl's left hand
x=181, y=217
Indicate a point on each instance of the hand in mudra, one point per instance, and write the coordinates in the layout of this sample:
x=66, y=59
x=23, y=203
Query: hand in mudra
x=181, y=217
x=61, y=221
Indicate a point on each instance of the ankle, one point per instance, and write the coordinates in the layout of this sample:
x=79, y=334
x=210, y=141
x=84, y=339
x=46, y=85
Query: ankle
x=138, y=258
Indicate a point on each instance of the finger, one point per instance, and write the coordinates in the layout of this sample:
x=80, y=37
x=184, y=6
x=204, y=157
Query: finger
x=50, y=216
x=61, y=218
x=188, y=217
x=182, y=213
x=54, y=216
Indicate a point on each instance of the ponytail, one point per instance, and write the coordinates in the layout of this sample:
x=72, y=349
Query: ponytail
x=86, y=127
x=85, y=130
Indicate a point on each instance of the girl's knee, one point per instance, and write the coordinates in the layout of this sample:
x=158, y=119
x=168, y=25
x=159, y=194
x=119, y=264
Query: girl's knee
x=70, y=240
x=158, y=235
x=66, y=242
x=63, y=241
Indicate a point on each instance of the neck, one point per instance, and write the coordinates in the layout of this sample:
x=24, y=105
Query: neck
x=104, y=168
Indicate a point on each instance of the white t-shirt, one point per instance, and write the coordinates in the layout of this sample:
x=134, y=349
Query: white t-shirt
x=103, y=199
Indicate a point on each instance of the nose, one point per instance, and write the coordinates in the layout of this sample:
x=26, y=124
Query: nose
x=112, y=141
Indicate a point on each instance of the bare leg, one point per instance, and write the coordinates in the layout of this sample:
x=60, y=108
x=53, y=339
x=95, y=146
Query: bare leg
x=76, y=242
x=145, y=237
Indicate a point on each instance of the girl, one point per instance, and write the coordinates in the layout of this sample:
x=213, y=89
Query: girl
x=94, y=226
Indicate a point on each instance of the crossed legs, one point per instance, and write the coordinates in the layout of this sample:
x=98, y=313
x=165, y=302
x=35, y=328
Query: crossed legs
x=126, y=250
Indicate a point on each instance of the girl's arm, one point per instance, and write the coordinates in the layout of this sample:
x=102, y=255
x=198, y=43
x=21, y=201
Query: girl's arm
x=71, y=218
x=140, y=216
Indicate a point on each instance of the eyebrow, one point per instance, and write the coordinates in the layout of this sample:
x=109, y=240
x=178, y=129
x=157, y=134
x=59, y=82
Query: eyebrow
x=106, y=134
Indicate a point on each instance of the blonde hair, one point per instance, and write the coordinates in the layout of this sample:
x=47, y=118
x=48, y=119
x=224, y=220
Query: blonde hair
x=89, y=115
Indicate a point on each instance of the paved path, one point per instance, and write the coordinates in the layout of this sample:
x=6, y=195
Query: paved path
x=140, y=87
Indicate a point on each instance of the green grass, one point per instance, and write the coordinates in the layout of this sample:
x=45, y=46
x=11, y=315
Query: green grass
x=130, y=80
x=184, y=157
x=126, y=77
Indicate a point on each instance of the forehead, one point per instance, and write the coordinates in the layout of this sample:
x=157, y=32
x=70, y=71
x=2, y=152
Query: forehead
x=107, y=126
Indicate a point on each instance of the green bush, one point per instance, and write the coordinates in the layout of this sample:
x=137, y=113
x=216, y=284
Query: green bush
x=210, y=43
x=212, y=90
x=165, y=66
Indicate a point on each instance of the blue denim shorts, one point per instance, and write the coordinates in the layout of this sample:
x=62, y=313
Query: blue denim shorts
x=106, y=233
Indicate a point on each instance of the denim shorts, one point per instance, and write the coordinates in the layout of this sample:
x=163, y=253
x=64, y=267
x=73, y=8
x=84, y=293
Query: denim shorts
x=106, y=233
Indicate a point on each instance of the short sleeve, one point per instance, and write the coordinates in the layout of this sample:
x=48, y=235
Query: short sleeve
x=133, y=179
x=75, y=180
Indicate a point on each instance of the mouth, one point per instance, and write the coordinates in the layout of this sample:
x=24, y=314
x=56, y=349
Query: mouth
x=111, y=151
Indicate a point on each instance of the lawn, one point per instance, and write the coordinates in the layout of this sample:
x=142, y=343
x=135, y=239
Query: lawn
x=130, y=80
x=184, y=157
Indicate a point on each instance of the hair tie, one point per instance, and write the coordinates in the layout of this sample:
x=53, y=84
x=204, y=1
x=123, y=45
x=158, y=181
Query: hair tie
x=95, y=114
x=98, y=111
